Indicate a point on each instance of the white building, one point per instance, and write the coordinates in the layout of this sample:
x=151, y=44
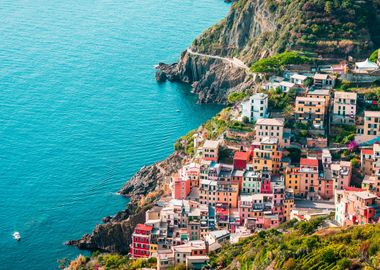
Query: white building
x=256, y=107
x=298, y=79
x=366, y=66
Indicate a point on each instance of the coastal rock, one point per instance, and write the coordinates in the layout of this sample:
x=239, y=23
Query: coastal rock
x=115, y=234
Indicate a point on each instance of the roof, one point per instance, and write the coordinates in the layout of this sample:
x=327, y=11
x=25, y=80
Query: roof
x=241, y=155
x=367, y=151
x=372, y=113
x=211, y=144
x=309, y=162
x=237, y=173
x=270, y=121
x=319, y=76
x=143, y=227
x=366, y=64
x=365, y=195
x=287, y=84
x=322, y=92
x=348, y=95
x=309, y=99
x=260, y=96
x=298, y=77
x=219, y=234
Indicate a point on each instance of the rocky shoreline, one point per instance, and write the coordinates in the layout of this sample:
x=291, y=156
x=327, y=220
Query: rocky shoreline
x=212, y=79
x=114, y=235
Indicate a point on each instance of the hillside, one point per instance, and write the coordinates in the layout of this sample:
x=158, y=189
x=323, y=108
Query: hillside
x=300, y=247
x=254, y=29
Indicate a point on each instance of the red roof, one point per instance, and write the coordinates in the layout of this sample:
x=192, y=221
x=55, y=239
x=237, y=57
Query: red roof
x=241, y=156
x=353, y=189
x=309, y=162
x=367, y=151
x=143, y=227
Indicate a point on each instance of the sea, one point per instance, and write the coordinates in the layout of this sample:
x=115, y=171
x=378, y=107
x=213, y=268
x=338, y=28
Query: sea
x=81, y=112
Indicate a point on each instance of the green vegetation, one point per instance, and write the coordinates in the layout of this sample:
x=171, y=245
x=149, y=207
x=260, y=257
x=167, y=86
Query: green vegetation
x=211, y=130
x=110, y=262
x=185, y=144
x=330, y=28
x=373, y=57
x=236, y=97
x=301, y=247
x=277, y=100
x=342, y=134
x=277, y=62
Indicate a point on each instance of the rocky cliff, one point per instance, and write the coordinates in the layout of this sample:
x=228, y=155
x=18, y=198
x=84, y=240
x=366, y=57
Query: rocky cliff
x=143, y=189
x=254, y=29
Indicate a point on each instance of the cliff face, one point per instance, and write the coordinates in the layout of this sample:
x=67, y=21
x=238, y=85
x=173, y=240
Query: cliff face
x=254, y=29
x=115, y=234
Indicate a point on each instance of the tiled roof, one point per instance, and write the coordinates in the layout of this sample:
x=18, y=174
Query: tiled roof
x=241, y=155
x=270, y=121
x=367, y=151
x=309, y=162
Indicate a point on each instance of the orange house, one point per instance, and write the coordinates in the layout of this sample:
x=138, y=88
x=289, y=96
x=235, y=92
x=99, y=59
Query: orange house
x=228, y=194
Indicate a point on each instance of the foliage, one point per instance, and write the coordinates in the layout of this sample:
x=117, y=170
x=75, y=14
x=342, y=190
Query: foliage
x=236, y=97
x=373, y=57
x=301, y=246
x=277, y=62
x=331, y=28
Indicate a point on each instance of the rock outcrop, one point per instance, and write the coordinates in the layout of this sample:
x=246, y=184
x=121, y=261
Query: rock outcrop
x=115, y=234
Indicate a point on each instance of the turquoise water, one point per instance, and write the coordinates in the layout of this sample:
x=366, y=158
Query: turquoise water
x=80, y=112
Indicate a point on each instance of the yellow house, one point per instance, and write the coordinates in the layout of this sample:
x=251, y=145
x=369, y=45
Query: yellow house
x=311, y=111
x=292, y=179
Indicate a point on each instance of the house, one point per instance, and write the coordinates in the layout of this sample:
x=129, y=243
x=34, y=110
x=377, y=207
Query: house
x=355, y=206
x=288, y=204
x=196, y=262
x=298, y=79
x=292, y=179
x=181, y=187
x=371, y=183
x=210, y=150
x=191, y=248
x=341, y=174
x=256, y=107
x=366, y=161
x=165, y=259
x=344, y=108
x=251, y=182
x=241, y=160
x=268, y=156
x=311, y=111
x=286, y=86
x=324, y=81
x=309, y=174
x=271, y=127
x=139, y=247
x=366, y=66
x=371, y=123
x=320, y=93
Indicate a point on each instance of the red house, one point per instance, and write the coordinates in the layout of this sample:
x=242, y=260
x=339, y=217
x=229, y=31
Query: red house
x=241, y=160
x=141, y=241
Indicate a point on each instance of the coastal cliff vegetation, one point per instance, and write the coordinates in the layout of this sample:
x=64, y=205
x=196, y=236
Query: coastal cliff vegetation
x=333, y=28
x=302, y=245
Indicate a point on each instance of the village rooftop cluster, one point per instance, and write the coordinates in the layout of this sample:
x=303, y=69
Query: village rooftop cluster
x=249, y=180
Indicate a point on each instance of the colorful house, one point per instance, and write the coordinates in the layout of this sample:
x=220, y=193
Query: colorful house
x=141, y=238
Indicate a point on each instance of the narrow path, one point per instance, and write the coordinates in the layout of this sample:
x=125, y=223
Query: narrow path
x=234, y=61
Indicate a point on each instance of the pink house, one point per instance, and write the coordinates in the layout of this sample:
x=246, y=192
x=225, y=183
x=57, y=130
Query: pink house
x=266, y=185
x=181, y=187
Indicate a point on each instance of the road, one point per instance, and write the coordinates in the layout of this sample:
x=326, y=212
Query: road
x=233, y=61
